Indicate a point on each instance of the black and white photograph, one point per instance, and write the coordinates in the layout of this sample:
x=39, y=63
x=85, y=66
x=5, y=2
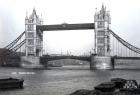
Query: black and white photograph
x=69, y=47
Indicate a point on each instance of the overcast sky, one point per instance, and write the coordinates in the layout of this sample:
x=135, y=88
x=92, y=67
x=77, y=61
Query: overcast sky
x=125, y=21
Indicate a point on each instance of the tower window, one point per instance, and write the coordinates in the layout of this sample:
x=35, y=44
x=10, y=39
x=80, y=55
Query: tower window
x=30, y=27
x=100, y=33
x=100, y=50
x=30, y=49
x=30, y=41
x=100, y=24
x=30, y=34
x=38, y=42
x=100, y=40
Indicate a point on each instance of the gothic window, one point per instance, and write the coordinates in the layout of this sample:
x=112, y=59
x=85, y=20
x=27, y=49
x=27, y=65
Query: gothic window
x=100, y=50
x=31, y=21
x=100, y=40
x=100, y=24
x=100, y=33
x=30, y=49
x=30, y=27
x=30, y=41
x=37, y=35
x=108, y=48
x=30, y=34
x=38, y=42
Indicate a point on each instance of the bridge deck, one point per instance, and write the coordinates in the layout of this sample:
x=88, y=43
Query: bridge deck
x=50, y=58
x=65, y=27
x=129, y=58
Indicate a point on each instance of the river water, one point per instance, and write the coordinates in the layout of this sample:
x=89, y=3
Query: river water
x=62, y=80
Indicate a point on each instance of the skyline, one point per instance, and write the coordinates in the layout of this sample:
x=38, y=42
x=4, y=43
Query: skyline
x=124, y=20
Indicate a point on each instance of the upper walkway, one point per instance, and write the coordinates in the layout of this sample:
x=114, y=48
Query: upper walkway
x=65, y=26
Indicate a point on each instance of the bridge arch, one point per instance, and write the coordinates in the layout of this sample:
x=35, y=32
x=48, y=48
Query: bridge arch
x=47, y=58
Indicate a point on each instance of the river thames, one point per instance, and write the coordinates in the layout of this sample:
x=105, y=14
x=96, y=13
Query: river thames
x=62, y=80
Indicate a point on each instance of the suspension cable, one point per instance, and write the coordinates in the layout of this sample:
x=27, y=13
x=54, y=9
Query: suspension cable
x=126, y=44
x=14, y=42
x=18, y=46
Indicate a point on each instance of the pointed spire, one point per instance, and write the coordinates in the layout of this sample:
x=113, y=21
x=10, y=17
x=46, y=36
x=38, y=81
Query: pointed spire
x=41, y=15
x=95, y=10
x=103, y=11
x=103, y=7
x=34, y=14
x=41, y=19
x=26, y=15
x=34, y=11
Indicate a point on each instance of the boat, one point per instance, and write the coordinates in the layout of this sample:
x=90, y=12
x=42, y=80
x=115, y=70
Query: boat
x=9, y=83
x=131, y=86
x=119, y=82
x=81, y=92
x=105, y=87
x=117, y=86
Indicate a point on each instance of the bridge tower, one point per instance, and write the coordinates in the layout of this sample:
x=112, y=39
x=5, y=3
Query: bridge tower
x=102, y=22
x=34, y=38
x=34, y=42
x=102, y=59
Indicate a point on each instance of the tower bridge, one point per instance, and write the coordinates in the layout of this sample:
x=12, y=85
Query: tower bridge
x=108, y=46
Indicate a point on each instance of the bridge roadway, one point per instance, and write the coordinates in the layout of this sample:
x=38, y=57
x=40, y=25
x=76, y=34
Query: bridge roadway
x=84, y=58
x=51, y=58
x=128, y=58
x=114, y=59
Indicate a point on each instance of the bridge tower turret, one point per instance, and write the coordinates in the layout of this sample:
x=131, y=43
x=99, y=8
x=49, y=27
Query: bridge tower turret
x=34, y=38
x=102, y=22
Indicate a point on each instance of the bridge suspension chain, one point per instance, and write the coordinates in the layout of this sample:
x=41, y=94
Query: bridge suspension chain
x=127, y=51
x=14, y=49
x=14, y=42
x=18, y=46
x=13, y=46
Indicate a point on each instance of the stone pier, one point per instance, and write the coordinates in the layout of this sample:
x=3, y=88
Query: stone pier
x=30, y=62
x=101, y=62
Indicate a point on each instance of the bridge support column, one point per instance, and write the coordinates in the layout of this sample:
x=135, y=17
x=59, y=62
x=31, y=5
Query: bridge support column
x=30, y=62
x=101, y=62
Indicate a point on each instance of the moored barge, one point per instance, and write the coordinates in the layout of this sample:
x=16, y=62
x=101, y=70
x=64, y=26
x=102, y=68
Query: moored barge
x=10, y=83
x=116, y=86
